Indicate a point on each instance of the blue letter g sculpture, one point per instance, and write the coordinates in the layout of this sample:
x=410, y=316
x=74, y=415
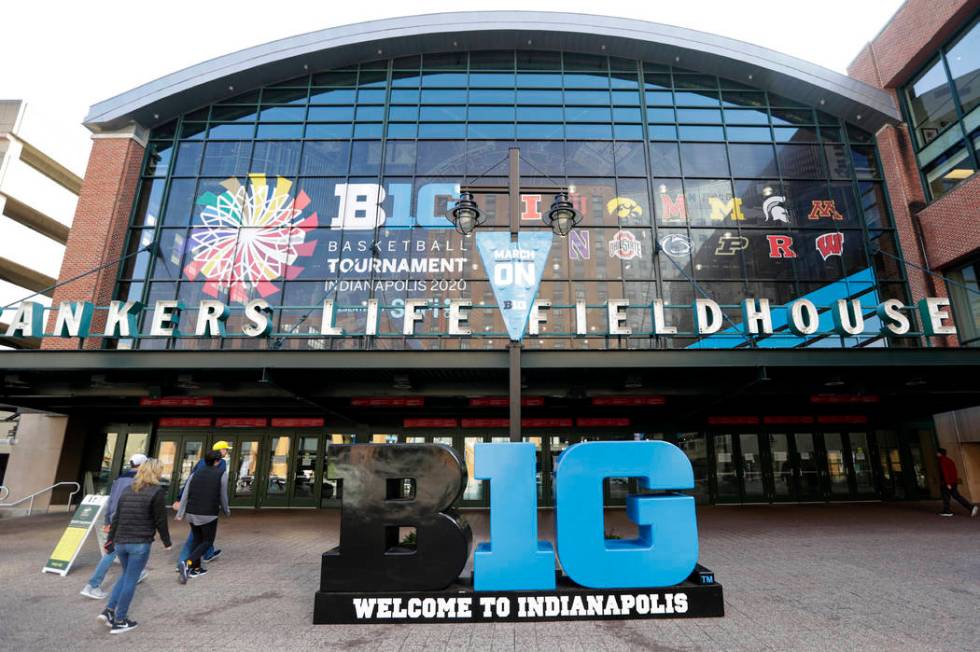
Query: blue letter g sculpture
x=667, y=549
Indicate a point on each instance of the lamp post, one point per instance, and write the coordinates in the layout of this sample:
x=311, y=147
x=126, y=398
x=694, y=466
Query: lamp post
x=562, y=218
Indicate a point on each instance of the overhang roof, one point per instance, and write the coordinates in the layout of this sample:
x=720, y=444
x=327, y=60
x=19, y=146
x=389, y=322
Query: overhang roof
x=906, y=383
x=162, y=99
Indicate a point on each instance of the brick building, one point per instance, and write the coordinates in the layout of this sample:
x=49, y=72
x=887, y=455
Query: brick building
x=926, y=58
x=282, y=236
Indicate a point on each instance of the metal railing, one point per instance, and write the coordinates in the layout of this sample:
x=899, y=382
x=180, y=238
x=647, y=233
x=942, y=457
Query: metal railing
x=30, y=507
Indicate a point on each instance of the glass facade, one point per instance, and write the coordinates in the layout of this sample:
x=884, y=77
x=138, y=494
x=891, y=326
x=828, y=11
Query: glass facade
x=335, y=186
x=943, y=107
x=964, y=291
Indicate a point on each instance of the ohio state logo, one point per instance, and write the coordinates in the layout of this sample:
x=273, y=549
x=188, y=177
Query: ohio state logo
x=831, y=244
x=624, y=246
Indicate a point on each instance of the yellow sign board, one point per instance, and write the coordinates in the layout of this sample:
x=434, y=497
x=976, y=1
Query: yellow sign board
x=74, y=536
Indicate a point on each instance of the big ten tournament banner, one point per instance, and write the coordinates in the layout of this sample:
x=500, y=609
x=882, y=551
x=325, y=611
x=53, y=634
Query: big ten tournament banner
x=403, y=545
x=248, y=237
x=75, y=535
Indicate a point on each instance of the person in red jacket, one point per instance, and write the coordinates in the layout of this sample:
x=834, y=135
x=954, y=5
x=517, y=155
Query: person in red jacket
x=947, y=485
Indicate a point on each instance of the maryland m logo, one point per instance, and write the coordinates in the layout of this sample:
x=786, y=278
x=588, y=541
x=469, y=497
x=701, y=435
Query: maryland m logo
x=824, y=208
x=674, y=210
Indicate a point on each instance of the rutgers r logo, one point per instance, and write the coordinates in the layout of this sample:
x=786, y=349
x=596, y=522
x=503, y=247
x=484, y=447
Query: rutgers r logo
x=830, y=244
x=824, y=208
x=781, y=246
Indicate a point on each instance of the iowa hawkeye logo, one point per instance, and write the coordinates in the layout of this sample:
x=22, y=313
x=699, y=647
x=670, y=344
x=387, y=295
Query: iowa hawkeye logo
x=831, y=244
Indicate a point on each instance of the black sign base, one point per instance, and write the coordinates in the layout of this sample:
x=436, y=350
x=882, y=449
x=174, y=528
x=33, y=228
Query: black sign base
x=697, y=597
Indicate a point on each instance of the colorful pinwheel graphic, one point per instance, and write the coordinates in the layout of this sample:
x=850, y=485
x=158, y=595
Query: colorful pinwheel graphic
x=249, y=236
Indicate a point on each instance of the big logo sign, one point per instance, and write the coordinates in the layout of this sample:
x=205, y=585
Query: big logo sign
x=386, y=489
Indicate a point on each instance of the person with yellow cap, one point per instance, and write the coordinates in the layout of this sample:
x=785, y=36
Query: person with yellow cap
x=212, y=553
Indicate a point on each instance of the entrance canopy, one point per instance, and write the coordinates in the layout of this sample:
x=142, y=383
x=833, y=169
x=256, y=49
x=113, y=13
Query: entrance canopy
x=683, y=387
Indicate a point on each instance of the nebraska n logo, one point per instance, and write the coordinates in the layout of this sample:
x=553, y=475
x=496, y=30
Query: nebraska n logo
x=831, y=244
x=824, y=208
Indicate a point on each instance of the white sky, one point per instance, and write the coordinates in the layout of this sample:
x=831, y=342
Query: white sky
x=65, y=56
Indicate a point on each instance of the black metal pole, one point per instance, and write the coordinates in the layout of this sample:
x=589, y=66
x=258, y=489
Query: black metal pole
x=514, y=189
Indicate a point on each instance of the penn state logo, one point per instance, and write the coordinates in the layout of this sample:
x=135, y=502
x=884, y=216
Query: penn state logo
x=676, y=245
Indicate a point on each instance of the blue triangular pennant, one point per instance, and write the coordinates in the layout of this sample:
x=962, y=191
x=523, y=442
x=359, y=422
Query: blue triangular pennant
x=514, y=270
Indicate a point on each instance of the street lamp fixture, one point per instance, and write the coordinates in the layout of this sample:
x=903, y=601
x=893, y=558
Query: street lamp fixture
x=562, y=217
x=466, y=215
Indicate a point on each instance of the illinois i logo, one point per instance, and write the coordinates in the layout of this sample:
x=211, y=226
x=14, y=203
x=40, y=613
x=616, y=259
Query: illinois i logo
x=824, y=208
x=831, y=244
x=624, y=246
x=249, y=236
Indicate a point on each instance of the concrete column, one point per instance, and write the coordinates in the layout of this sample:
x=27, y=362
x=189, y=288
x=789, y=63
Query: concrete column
x=98, y=233
x=34, y=458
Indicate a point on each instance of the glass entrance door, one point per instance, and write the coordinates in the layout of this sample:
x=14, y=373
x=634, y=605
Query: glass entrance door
x=306, y=470
x=751, y=456
x=726, y=475
x=860, y=459
x=808, y=468
x=179, y=454
x=838, y=486
x=243, y=467
x=274, y=489
x=783, y=473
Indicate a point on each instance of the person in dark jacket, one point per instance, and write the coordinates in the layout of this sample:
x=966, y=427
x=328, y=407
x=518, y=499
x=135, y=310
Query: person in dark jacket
x=93, y=588
x=141, y=513
x=947, y=485
x=223, y=448
x=205, y=494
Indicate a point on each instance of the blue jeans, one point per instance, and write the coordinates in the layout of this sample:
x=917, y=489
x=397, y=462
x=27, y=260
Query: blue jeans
x=185, y=552
x=133, y=557
x=99, y=575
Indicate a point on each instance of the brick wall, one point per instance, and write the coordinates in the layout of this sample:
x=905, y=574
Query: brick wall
x=951, y=225
x=909, y=39
x=98, y=232
x=947, y=229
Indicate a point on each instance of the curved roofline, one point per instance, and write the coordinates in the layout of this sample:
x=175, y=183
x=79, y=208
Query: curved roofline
x=215, y=79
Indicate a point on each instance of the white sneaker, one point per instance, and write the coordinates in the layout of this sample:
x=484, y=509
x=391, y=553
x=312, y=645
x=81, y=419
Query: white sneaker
x=94, y=592
x=143, y=574
x=973, y=512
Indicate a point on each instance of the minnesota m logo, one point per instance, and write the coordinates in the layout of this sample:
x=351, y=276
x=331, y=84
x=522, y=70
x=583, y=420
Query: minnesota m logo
x=719, y=210
x=824, y=208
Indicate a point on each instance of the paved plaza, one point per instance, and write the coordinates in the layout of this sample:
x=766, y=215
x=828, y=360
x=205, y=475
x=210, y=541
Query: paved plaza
x=868, y=576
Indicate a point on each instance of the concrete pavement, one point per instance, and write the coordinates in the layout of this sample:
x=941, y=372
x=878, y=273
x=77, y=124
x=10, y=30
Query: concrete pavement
x=869, y=576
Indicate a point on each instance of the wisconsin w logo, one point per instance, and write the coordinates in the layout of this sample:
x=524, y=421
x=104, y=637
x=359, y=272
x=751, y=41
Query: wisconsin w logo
x=830, y=244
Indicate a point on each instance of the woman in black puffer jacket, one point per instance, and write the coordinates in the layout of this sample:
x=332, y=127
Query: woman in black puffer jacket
x=141, y=513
